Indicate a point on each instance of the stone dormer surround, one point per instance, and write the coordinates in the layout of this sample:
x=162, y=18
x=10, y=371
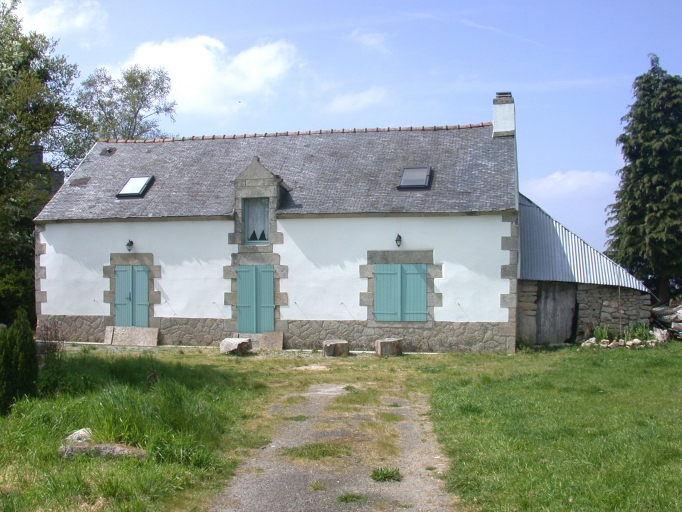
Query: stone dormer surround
x=256, y=181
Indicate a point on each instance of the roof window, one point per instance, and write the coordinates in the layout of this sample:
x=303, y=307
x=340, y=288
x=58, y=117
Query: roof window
x=136, y=187
x=415, y=177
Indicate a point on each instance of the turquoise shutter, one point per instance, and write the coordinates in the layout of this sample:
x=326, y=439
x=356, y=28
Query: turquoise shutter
x=123, y=300
x=246, y=299
x=265, y=280
x=414, y=293
x=386, y=293
x=140, y=296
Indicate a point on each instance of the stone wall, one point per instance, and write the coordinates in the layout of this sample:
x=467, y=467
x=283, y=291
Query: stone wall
x=527, y=312
x=444, y=337
x=76, y=328
x=602, y=305
x=194, y=331
x=597, y=305
x=309, y=334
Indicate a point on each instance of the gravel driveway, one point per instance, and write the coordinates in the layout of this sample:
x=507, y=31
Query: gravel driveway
x=273, y=481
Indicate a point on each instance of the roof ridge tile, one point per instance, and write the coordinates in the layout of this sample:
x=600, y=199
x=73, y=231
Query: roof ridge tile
x=300, y=133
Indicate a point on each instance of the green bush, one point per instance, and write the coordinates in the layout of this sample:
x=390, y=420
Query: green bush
x=18, y=362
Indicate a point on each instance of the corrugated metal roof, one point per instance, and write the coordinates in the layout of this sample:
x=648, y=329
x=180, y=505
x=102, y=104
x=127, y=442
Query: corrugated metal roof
x=550, y=252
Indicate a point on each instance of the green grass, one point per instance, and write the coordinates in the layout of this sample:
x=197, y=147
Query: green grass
x=390, y=417
x=296, y=418
x=317, y=451
x=188, y=423
x=386, y=475
x=579, y=430
x=318, y=486
x=357, y=396
x=351, y=497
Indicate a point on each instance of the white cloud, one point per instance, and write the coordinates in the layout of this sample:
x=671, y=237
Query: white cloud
x=371, y=41
x=357, y=101
x=571, y=183
x=55, y=18
x=577, y=199
x=206, y=81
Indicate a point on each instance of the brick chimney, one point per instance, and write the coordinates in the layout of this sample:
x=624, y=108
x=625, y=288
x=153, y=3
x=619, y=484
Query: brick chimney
x=504, y=115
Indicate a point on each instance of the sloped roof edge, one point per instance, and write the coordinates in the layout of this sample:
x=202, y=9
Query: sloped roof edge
x=550, y=252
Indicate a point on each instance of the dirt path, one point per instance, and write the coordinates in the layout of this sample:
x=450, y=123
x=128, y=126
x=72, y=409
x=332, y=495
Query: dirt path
x=390, y=432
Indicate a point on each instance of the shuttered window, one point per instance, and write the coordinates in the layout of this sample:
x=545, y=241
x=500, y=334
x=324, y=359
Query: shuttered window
x=255, y=298
x=132, y=295
x=400, y=293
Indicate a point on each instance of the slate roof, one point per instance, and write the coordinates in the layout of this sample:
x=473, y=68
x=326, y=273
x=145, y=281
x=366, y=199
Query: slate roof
x=550, y=252
x=329, y=172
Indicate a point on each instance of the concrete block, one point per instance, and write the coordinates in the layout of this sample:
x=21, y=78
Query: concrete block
x=235, y=345
x=272, y=341
x=108, y=334
x=389, y=347
x=135, y=336
x=335, y=348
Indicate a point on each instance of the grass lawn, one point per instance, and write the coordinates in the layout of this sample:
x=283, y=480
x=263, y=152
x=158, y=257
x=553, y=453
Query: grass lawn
x=565, y=430
x=571, y=430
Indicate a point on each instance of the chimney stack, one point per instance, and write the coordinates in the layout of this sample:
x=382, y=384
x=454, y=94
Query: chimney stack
x=504, y=115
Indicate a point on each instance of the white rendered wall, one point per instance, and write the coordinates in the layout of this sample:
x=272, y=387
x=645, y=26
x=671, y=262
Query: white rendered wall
x=324, y=255
x=191, y=255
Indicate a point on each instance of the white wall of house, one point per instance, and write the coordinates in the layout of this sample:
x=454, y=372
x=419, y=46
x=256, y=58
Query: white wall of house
x=191, y=254
x=324, y=254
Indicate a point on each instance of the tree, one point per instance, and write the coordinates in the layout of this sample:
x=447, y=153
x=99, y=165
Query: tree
x=37, y=107
x=646, y=235
x=127, y=107
x=18, y=362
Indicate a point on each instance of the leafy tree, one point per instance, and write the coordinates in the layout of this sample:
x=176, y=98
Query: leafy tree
x=646, y=235
x=37, y=106
x=18, y=362
x=127, y=107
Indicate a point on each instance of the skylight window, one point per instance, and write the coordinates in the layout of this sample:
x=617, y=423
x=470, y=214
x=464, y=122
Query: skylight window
x=136, y=187
x=415, y=177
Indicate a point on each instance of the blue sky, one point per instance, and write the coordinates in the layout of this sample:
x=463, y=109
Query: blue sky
x=256, y=66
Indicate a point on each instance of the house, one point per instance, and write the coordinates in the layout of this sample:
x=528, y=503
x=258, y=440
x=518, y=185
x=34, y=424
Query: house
x=351, y=234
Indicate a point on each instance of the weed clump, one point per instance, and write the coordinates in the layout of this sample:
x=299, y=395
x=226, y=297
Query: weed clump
x=386, y=475
x=351, y=497
x=317, y=451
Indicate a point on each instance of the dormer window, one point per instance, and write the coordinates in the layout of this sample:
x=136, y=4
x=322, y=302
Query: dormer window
x=415, y=177
x=136, y=187
x=256, y=220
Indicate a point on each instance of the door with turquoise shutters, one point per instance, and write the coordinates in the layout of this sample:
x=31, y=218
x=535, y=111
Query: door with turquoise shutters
x=132, y=295
x=400, y=293
x=387, y=293
x=413, y=292
x=255, y=298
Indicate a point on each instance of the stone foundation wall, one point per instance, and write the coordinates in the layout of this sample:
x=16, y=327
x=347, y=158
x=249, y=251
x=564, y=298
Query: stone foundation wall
x=444, y=337
x=601, y=305
x=76, y=328
x=194, y=331
x=309, y=334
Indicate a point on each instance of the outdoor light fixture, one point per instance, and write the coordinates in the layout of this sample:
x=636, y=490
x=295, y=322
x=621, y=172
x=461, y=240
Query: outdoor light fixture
x=398, y=240
x=129, y=245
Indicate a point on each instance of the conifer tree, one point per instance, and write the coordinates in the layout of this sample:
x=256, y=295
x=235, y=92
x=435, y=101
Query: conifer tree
x=18, y=362
x=646, y=234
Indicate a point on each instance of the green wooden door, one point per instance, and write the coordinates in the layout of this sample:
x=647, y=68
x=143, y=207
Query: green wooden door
x=387, y=293
x=255, y=298
x=132, y=295
x=400, y=293
x=413, y=292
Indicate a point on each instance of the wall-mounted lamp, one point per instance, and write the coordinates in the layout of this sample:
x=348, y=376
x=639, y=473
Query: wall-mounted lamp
x=129, y=245
x=398, y=240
